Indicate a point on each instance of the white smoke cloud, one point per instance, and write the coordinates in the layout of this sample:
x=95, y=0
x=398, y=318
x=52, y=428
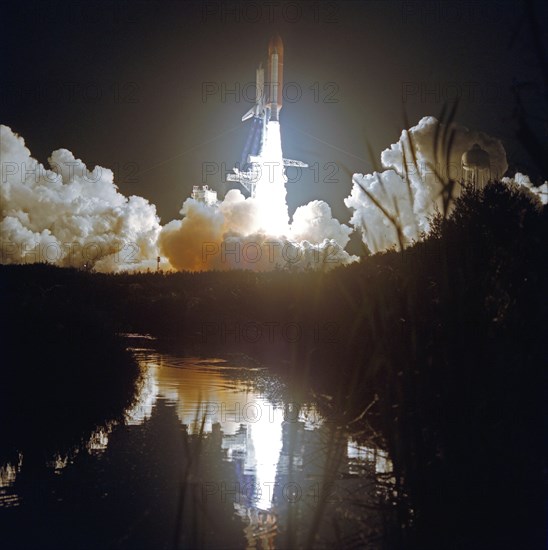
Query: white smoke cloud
x=230, y=235
x=254, y=233
x=68, y=215
x=523, y=182
x=313, y=222
x=391, y=192
x=411, y=193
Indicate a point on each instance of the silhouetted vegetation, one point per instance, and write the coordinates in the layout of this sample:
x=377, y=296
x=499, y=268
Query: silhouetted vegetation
x=434, y=352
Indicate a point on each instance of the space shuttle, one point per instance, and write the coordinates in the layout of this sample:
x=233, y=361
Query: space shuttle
x=268, y=101
x=267, y=107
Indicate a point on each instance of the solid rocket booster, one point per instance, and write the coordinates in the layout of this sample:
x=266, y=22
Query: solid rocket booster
x=275, y=76
x=259, y=90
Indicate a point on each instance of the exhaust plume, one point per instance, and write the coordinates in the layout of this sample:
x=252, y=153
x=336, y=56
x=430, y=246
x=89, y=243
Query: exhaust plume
x=254, y=233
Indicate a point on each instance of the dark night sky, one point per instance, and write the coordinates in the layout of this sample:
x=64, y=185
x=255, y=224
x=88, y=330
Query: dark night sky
x=120, y=83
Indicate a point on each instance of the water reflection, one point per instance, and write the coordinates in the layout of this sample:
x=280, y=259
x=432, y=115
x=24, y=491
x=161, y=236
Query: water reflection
x=209, y=398
x=211, y=455
x=291, y=467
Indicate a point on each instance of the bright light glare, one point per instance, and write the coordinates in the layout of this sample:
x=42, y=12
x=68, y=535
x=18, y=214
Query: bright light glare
x=266, y=437
x=270, y=191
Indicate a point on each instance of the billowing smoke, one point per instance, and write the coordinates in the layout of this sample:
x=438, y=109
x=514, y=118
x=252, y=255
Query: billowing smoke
x=410, y=188
x=254, y=233
x=230, y=235
x=524, y=183
x=68, y=215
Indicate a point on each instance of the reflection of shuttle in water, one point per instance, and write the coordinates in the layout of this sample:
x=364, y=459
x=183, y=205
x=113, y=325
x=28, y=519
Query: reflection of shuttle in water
x=268, y=103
